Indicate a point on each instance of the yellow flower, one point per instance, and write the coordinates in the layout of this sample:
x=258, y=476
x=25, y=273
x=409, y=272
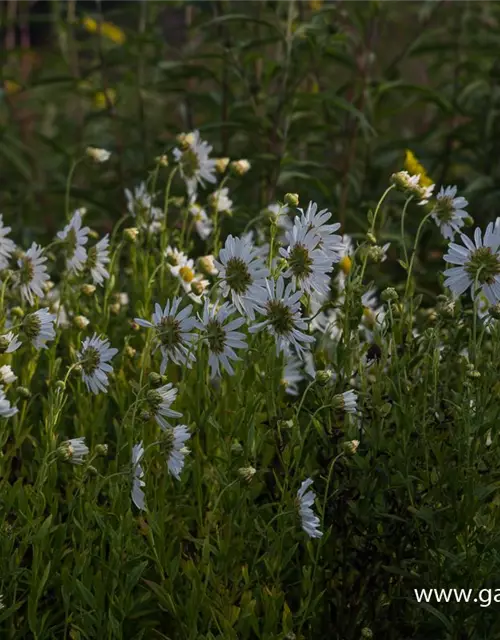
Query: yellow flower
x=11, y=87
x=413, y=166
x=107, y=29
x=100, y=101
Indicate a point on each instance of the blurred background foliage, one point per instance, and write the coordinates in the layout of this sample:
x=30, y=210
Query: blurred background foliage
x=322, y=97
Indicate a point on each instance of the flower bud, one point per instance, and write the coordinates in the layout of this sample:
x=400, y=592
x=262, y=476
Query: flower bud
x=236, y=448
x=101, y=450
x=292, y=199
x=155, y=379
x=495, y=311
x=23, y=392
x=92, y=471
x=98, y=155
x=130, y=234
x=17, y=312
x=80, y=322
x=371, y=238
x=345, y=264
x=88, y=289
x=134, y=326
x=389, y=295
x=221, y=164
x=60, y=385
x=115, y=308
x=366, y=633
x=324, y=376
x=130, y=351
x=240, y=167
x=162, y=160
x=247, y=473
x=145, y=416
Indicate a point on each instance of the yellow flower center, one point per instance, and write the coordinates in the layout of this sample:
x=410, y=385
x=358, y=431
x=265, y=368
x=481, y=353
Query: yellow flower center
x=186, y=274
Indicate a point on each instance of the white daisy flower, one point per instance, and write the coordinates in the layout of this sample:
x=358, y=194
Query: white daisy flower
x=73, y=450
x=315, y=220
x=9, y=343
x=242, y=275
x=160, y=401
x=195, y=165
x=6, y=411
x=305, y=499
x=7, y=376
x=175, y=257
x=477, y=260
x=292, y=374
x=173, y=330
x=221, y=336
x=449, y=212
x=283, y=318
x=93, y=358
x=138, y=497
x=202, y=222
x=39, y=327
x=32, y=273
x=75, y=238
x=97, y=258
x=219, y=200
x=347, y=401
x=185, y=273
x=308, y=266
x=7, y=246
x=172, y=444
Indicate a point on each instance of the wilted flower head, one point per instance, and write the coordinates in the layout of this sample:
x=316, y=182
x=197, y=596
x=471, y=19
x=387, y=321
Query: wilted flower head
x=74, y=450
x=172, y=444
x=310, y=521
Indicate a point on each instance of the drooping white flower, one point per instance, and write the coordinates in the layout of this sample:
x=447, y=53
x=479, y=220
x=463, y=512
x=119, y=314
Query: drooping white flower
x=138, y=497
x=292, y=374
x=74, y=450
x=283, y=318
x=6, y=411
x=9, y=342
x=32, y=273
x=202, y=222
x=195, y=164
x=172, y=442
x=314, y=220
x=219, y=200
x=347, y=401
x=173, y=329
x=39, y=327
x=310, y=521
x=307, y=264
x=160, y=400
x=449, y=212
x=97, y=258
x=75, y=238
x=221, y=337
x=7, y=246
x=94, y=359
x=242, y=275
x=410, y=186
x=7, y=376
x=478, y=260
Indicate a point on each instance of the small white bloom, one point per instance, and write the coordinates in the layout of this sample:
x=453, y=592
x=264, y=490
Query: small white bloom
x=478, y=260
x=94, y=357
x=75, y=238
x=219, y=200
x=173, y=330
x=242, y=275
x=185, y=273
x=173, y=442
x=7, y=375
x=6, y=411
x=283, y=318
x=138, y=497
x=97, y=258
x=221, y=336
x=10, y=342
x=348, y=401
x=160, y=401
x=75, y=449
x=310, y=521
x=32, y=273
x=175, y=257
x=195, y=164
x=39, y=327
x=7, y=246
x=98, y=155
x=449, y=212
x=140, y=206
